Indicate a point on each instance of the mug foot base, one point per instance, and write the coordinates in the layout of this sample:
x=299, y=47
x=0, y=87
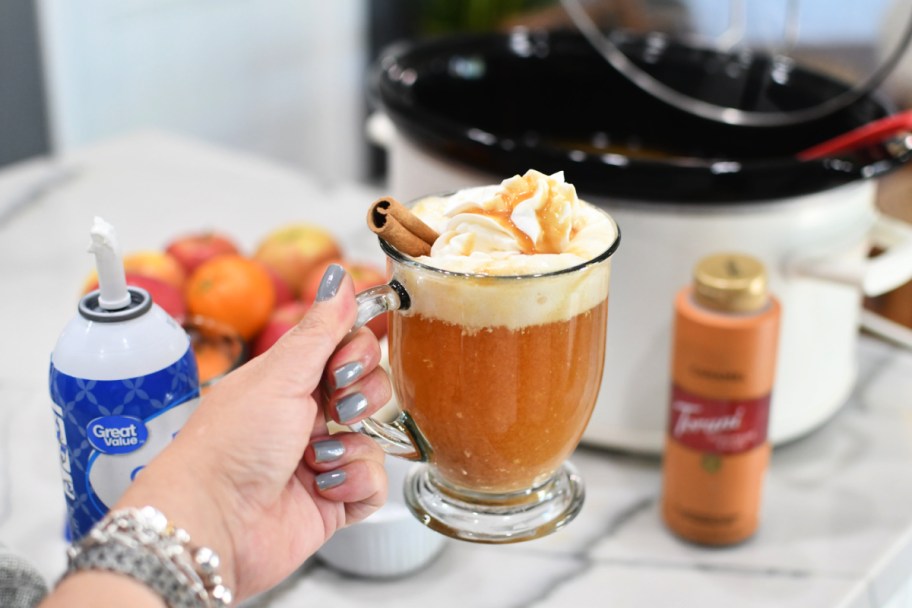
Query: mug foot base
x=496, y=519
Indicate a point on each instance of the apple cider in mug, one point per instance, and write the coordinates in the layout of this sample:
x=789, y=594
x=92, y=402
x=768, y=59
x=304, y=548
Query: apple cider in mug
x=500, y=373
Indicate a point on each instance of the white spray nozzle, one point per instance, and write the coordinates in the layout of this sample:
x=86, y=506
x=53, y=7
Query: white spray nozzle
x=112, y=281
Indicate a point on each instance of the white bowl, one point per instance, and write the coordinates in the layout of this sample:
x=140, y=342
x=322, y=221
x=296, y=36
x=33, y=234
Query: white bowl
x=389, y=543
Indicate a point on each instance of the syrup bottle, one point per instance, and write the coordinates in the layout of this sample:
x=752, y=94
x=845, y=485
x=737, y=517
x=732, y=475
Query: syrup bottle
x=723, y=366
x=123, y=381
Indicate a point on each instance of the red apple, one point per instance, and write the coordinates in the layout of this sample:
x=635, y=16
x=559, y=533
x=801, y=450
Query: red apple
x=154, y=264
x=364, y=276
x=164, y=294
x=281, y=320
x=191, y=250
x=283, y=292
x=157, y=265
x=293, y=250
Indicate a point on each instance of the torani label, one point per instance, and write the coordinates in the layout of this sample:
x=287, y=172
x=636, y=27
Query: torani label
x=720, y=426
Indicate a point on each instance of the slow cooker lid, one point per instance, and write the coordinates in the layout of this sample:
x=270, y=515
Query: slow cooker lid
x=754, y=45
x=505, y=103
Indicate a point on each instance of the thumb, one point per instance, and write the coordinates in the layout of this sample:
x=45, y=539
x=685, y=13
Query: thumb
x=302, y=353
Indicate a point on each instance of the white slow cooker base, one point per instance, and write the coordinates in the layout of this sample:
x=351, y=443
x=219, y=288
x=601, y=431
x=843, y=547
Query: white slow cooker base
x=659, y=246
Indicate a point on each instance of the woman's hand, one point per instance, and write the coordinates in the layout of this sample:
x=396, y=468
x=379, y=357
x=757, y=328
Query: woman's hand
x=254, y=473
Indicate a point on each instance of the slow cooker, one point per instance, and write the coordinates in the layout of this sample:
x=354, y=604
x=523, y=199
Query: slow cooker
x=470, y=110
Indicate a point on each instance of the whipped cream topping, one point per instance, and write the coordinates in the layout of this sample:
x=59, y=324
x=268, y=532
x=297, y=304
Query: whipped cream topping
x=528, y=224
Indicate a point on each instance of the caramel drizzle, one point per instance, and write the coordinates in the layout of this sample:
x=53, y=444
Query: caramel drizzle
x=548, y=216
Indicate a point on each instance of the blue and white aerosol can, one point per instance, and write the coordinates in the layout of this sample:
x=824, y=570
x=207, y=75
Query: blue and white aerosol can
x=123, y=381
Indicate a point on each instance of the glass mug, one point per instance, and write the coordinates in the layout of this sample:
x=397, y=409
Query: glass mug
x=496, y=378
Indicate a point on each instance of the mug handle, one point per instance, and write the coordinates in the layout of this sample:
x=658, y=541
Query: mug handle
x=872, y=276
x=893, y=267
x=399, y=437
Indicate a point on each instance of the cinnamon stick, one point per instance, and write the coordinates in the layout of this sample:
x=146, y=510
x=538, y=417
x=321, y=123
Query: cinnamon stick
x=394, y=223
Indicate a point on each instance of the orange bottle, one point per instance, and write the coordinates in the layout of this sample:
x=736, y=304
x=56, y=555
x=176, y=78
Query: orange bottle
x=723, y=366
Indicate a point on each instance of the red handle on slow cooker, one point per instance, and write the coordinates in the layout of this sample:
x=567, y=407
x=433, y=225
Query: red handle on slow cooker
x=871, y=133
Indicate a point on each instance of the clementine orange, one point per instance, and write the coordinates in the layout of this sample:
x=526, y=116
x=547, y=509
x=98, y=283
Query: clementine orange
x=234, y=290
x=211, y=361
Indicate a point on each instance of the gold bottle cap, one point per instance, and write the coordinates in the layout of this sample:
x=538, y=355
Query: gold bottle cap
x=730, y=282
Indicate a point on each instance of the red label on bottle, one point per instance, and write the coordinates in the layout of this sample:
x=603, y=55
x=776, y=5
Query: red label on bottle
x=723, y=426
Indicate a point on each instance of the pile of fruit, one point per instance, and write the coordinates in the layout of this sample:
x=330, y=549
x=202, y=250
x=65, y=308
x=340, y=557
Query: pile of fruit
x=259, y=296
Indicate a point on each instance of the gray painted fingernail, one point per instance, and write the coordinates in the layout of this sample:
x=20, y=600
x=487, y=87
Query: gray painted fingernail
x=331, y=479
x=350, y=406
x=328, y=450
x=330, y=282
x=348, y=373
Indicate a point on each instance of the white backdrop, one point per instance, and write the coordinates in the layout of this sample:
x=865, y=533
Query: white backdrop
x=282, y=78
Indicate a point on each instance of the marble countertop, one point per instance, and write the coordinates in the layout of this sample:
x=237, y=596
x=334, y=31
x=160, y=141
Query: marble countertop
x=837, y=517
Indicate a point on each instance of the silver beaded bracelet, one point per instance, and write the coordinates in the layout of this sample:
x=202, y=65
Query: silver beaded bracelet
x=143, y=544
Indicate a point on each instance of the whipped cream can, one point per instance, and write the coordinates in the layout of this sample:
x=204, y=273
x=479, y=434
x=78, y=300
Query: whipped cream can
x=123, y=381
